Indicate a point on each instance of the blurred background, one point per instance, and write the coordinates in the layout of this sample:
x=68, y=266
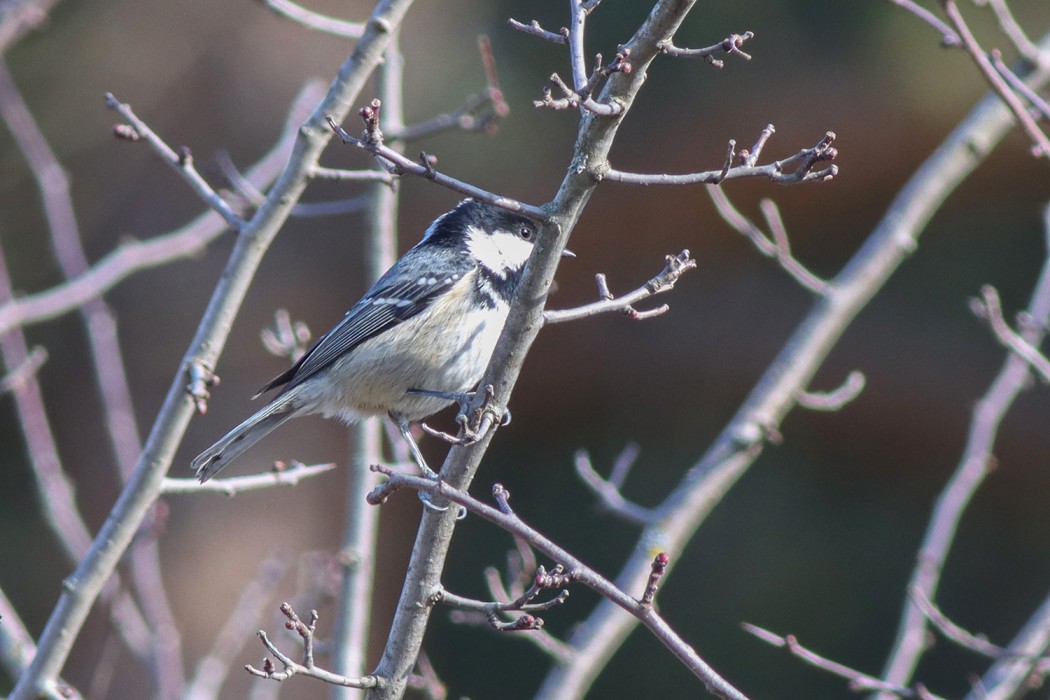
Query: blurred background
x=820, y=536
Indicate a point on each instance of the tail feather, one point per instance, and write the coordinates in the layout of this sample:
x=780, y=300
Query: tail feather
x=230, y=446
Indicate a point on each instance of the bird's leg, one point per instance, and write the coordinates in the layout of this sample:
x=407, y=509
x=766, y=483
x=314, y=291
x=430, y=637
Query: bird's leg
x=472, y=430
x=425, y=498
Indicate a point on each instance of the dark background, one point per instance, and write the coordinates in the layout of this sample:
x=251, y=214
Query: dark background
x=818, y=538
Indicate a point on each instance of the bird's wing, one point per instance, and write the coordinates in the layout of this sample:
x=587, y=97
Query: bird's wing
x=394, y=299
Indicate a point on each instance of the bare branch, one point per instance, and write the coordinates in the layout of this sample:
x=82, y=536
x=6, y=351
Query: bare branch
x=25, y=370
x=677, y=265
x=1041, y=142
x=1012, y=29
x=608, y=490
x=181, y=162
x=17, y=648
x=315, y=20
x=730, y=45
x=772, y=399
x=135, y=256
x=779, y=248
x=535, y=29
x=835, y=399
x=975, y=465
x=307, y=667
x=1018, y=85
x=19, y=19
x=1022, y=665
x=990, y=309
x=505, y=518
x=251, y=193
x=480, y=112
x=400, y=165
x=791, y=170
x=231, y=486
x=859, y=681
x=967, y=640
x=949, y=38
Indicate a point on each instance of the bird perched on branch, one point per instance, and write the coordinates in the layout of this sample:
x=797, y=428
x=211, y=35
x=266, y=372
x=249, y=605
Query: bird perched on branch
x=418, y=341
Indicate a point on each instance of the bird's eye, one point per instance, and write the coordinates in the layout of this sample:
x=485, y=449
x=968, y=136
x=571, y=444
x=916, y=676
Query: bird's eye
x=526, y=233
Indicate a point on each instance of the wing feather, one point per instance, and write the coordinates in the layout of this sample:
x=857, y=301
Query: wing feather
x=394, y=299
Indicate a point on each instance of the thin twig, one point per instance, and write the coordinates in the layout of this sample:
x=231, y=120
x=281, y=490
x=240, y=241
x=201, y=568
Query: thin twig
x=1040, y=141
x=949, y=37
x=1017, y=84
x=676, y=266
x=533, y=28
x=181, y=162
x=990, y=309
x=776, y=245
x=835, y=399
x=506, y=519
x=400, y=165
x=969, y=474
x=233, y=485
x=794, y=169
x=307, y=667
x=315, y=20
x=608, y=490
x=859, y=682
x=730, y=45
x=1012, y=29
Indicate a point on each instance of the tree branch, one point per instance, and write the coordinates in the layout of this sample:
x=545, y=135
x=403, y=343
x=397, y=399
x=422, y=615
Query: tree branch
x=142, y=489
x=740, y=443
x=969, y=474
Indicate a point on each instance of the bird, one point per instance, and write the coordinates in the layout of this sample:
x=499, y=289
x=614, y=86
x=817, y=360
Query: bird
x=418, y=341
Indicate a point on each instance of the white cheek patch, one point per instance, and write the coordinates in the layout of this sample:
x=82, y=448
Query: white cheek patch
x=500, y=252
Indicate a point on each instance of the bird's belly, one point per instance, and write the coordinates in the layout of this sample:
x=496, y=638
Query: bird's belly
x=376, y=377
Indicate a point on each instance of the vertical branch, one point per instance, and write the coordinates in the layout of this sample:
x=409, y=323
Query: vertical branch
x=108, y=359
x=593, y=144
x=141, y=491
x=969, y=475
x=350, y=642
x=55, y=492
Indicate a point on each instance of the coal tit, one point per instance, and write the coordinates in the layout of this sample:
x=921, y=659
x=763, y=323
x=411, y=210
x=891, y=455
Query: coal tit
x=428, y=325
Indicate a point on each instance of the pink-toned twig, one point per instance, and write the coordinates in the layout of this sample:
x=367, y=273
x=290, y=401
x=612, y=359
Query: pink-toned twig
x=730, y=45
x=975, y=465
x=775, y=245
x=1040, y=141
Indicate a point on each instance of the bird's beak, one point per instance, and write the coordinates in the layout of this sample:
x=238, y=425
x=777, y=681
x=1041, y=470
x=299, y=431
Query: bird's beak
x=568, y=253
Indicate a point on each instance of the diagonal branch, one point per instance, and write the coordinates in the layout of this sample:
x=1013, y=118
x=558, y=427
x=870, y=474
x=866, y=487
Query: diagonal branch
x=741, y=442
x=970, y=473
x=142, y=489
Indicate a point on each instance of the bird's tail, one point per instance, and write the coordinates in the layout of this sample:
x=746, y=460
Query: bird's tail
x=230, y=446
